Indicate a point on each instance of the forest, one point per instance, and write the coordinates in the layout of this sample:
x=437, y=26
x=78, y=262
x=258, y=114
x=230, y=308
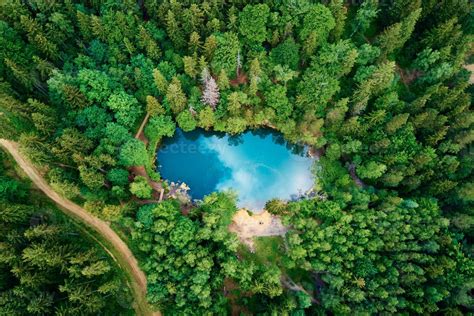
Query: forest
x=377, y=89
x=50, y=265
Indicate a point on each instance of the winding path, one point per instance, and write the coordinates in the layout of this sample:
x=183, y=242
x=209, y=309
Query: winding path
x=119, y=250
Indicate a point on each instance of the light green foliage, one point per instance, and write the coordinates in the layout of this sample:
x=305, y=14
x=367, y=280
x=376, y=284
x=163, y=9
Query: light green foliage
x=94, y=84
x=371, y=170
x=140, y=188
x=186, y=121
x=206, y=118
x=133, y=153
x=160, y=81
x=159, y=126
x=190, y=66
x=93, y=179
x=175, y=96
x=236, y=125
x=125, y=107
x=223, y=80
x=396, y=122
x=153, y=106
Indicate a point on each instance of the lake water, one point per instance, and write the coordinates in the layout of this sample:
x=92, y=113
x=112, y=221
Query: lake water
x=258, y=165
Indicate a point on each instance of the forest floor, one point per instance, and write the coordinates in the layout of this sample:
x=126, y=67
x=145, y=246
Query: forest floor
x=247, y=226
x=118, y=249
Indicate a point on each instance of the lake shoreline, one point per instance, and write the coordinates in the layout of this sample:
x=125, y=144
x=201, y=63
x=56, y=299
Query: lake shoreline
x=258, y=165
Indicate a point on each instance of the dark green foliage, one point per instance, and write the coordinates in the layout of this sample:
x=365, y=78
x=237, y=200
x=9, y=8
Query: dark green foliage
x=226, y=54
x=186, y=254
x=118, y=176
x=46, y=265
x=286, y=53
x=397, y=244
x=378, y=90
x=252, y=23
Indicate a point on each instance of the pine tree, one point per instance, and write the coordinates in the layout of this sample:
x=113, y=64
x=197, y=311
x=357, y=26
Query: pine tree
x=129, y=46
x=210, y=46
x=44, y=67
x=74, y=97
x=408, y=25
x=153, y=106
x=148, y=43
x=190, y=66
x=174, y=30
x=253, y=86
x=84, y=24
x=255, y=69
x=395, y=36
x=19, y=73
x=97, y=28
x=214, y=26
x=366, y=13
x=339, y=11
x=206, y=118
x=232, y=19
x=160, y=81
x=233, y=103
x=194, y=42
x=390, y=39
x=379, y=80
x=443, y=35
x=396, y=122
x=193, y=18
x=175, y=96
x=223, y=80
x=400, y=9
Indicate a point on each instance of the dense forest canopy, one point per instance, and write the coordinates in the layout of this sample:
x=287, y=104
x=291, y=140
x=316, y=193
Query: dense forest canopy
x=48, y=264
x=376, y=88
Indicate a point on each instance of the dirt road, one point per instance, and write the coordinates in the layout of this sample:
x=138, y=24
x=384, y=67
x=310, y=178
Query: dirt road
x=119, y=250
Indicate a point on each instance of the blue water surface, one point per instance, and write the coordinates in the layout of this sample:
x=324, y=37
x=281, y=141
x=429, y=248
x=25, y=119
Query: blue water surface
x=258, y=165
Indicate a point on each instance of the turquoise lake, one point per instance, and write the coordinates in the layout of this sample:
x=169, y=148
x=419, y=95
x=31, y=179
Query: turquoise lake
x=258, y=165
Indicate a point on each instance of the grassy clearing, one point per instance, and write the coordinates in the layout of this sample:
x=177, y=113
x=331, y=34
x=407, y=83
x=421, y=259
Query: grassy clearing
x=269, y=249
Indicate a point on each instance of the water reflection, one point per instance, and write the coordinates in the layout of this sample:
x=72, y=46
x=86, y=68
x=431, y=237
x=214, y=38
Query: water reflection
x=258, y=165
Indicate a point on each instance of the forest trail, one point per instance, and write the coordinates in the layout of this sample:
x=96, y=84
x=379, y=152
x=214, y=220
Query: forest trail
x=139, y=135
x=123, y=255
